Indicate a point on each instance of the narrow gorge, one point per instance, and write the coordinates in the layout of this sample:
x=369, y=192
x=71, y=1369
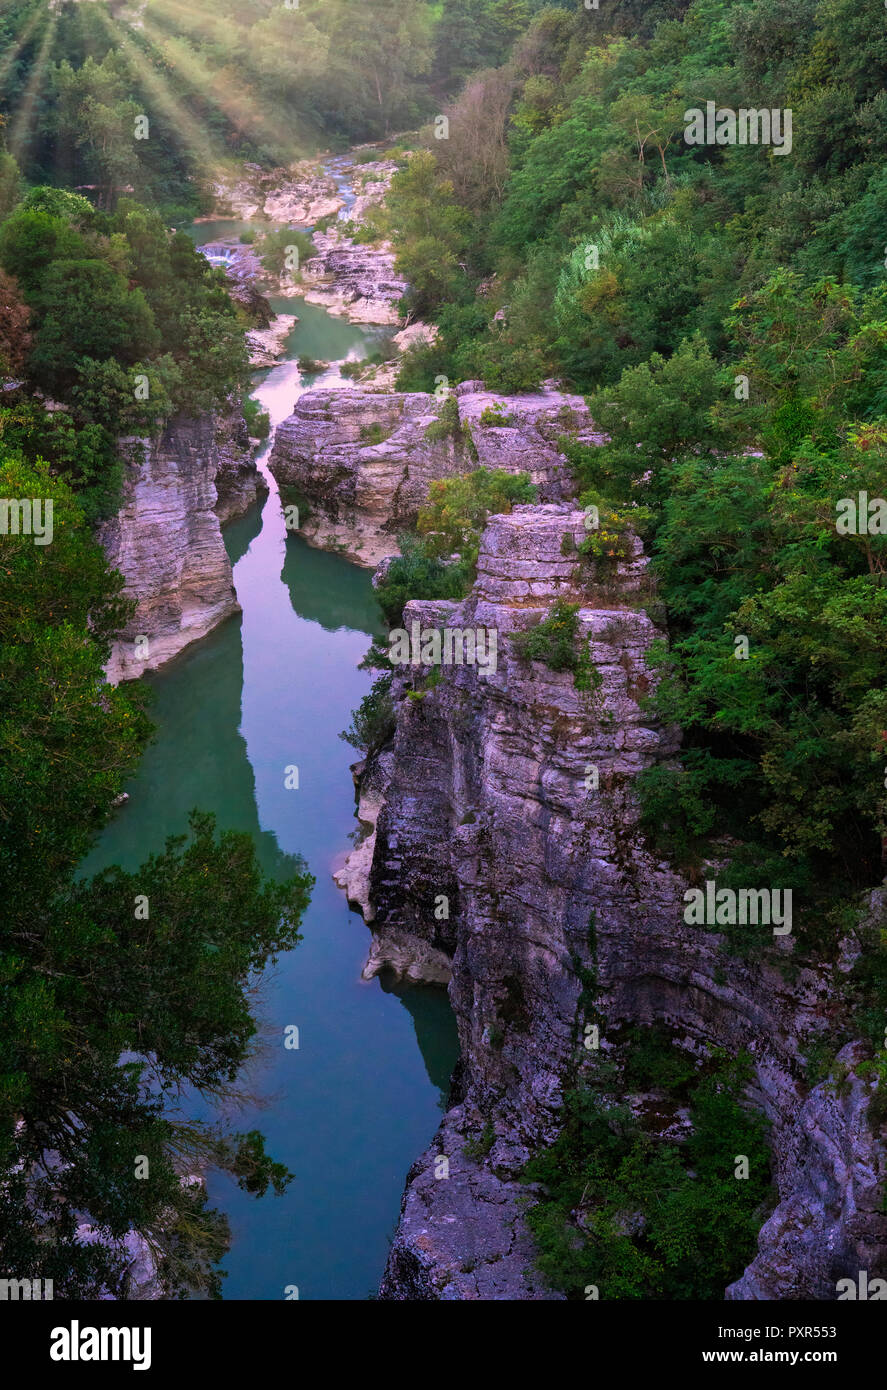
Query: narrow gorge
x=443, y=671
x=508, y=795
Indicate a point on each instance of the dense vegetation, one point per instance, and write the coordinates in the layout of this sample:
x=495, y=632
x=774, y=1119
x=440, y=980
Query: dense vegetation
x=115, y=319
x=125, y=998
x=723, y=308
x=441, y=561
x=120, y=995
x=252, y=79
x=626, y=1212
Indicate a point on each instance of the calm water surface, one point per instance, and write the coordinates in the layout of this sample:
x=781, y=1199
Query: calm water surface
x=355, y=1105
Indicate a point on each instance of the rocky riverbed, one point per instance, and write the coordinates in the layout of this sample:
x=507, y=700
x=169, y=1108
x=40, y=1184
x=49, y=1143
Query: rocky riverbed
x=353, y=278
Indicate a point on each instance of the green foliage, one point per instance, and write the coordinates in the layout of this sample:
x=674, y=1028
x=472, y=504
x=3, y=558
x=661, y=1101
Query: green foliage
x=258, y=422
x=276, y=247
x=416, y=573
x=447, y=425
x=433, y=235
x=480, y=1146
x=783, y=750
x=450, y=523
x=496, y=416
x=656, y=412
x=553, y=639
x=263, y=84
x=85, y=310
x=128, y=324
x=104, y=1014
x=374, y=433
x=373, y=722
x=641, y=1217
x=458, y=509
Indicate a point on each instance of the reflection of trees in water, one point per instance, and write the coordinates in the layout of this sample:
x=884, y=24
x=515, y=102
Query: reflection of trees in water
x=240, y=534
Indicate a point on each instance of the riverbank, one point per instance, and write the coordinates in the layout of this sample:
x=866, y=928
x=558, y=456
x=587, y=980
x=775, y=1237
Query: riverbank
x=272, y=688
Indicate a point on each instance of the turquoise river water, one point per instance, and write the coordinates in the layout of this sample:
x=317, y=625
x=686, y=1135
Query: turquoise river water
x=351, y=1109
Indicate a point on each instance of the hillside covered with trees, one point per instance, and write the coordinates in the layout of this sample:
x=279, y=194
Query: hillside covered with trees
x=723, y=309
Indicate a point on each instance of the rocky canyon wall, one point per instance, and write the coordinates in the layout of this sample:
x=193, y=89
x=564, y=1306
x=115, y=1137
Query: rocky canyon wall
x=166, y=539
x=508, y=796
x=364, y=461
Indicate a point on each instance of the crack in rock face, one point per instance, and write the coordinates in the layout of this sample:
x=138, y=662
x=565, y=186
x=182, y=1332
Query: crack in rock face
x=482, y=798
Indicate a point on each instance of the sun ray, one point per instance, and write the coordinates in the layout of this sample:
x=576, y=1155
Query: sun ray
x=154, y=87
x=20, y=43
x=21, y=125
x=234, y=100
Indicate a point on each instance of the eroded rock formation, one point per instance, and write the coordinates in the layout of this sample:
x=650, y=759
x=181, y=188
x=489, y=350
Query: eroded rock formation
x=364, y=461
x=301, y=193
x=351, y=278
x=166, y=540
x=485, y=800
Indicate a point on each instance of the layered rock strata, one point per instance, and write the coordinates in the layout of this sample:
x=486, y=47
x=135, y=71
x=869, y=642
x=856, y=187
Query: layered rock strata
x=301, y=193
x=239, y=484
x=356, y=278
x=352, y=279
x=507, y=796
x=364, y=461
x=166, y=539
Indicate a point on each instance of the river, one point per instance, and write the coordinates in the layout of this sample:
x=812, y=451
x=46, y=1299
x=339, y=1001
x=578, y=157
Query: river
x=350, y=1110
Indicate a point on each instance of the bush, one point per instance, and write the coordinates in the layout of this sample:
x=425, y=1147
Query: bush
x=275, y=250
x=447, y=425
x=417, y=574
x=373, y=722
x=641, y=1217
x=495, y=416
x=258, y=421
x=459, y=507
x=374, y=433
x=552, y=639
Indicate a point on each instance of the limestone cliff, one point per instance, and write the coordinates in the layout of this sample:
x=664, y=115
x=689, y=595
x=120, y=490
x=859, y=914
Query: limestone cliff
x=484, y=799
x=364, y=461
x=166, y=539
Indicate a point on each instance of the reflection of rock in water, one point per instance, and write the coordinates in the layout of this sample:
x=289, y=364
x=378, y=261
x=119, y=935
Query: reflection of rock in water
x=435, y=1026
x=201, y=760
x=326, y=590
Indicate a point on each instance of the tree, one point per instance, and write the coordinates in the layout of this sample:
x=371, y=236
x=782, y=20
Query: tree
x=86, y=310
x=474, y=156
x=15, y=340
x=109, y=1013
